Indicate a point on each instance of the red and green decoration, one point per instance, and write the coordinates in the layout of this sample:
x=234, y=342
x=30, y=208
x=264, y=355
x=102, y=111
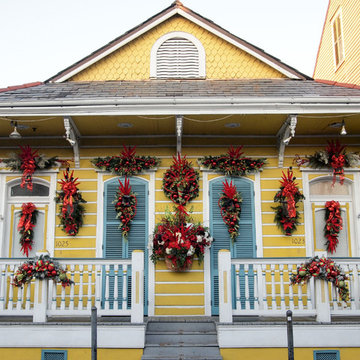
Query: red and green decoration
x=230, y=207
x=125, y=206
x=28, y=161
x=71, y=208
x=233, y=163
x=324, y=269
x=41, y=268
x=26, y=226
x=127, y=163
x=335, y=157
x=333, y=224
x=178, y=240
x=286, y=214
x=181, y=182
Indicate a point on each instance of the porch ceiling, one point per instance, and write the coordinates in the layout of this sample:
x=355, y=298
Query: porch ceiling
x=198, y=130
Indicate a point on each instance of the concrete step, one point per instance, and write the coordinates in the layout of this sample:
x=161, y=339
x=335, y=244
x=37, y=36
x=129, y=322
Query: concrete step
x=182, y=351
x=156, y=326
x=183, y=339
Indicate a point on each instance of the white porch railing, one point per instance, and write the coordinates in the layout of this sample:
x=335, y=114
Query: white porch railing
x=115, y=287
x=262, y=287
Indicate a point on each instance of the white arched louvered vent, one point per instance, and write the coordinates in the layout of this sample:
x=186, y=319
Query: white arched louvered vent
x=177, y=58
x=177, y=55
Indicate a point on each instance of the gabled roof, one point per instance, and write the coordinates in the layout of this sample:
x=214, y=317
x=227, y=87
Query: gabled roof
x=176, y=8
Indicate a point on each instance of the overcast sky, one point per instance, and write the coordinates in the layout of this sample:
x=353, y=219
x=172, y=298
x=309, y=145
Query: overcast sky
x=39, y=38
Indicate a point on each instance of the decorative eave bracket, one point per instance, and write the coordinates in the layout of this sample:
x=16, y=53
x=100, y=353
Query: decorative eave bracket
x=284, y=135
x=72, y=135
x=179, y=120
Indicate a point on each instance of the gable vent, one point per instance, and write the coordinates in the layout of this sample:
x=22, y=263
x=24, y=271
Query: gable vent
x=177, y=58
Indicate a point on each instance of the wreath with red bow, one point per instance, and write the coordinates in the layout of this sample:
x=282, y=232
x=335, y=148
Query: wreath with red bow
x=335, y=157
x=71, y=208
x=26, y=226
x=333, y=224
x=28, y=161
x=230, y=207
x=233, y=163
x=127, y=163
x=125, y=206
x=286, y=215
x=181, y=182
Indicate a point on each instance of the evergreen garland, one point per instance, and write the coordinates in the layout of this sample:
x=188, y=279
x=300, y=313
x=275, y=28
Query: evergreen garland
x=232, y=163
x=26, y=226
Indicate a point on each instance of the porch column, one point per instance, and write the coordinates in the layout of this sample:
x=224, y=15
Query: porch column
x=322, y=302
x=40, y=296
x=225, y=296
x=137, y=286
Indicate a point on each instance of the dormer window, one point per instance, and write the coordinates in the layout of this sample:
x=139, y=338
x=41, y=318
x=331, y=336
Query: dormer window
x=177, y=55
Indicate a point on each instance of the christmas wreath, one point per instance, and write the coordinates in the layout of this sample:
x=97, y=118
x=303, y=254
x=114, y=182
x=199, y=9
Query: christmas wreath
x=127, y=164
x=28, y=161
x=232, y=163
x=286, y=215
x=178, y=240
x=324, y=269
x=71, y=208
x=26, y=225
x=125, y=206
x=335, y=157
x=333, y=224
x=230, y=207
x=42, y=267
x=181, y=182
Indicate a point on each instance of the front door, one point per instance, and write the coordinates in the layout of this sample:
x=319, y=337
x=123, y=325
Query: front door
x=116, y=246
x=244, y=246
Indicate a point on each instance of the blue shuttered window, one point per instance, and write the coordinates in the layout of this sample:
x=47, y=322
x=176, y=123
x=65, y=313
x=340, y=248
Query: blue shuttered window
x=117, y=247
x=244, y=247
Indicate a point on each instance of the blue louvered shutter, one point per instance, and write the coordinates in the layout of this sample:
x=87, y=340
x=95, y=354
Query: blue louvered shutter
x=326, y=355
x=115, y=246
x=53, y=354
x=245, y=243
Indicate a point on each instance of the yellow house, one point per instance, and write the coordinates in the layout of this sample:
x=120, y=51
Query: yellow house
x=339, y=50
x=180, y=84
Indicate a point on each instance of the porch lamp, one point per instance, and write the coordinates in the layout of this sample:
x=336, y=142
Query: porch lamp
x=343, y=130
x=14, y=134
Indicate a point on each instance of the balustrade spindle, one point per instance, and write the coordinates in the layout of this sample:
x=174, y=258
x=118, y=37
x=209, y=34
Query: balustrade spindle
x=72, y=289
x=125, y=287
x=89, y=293
x=247, y=292
x=273, y=297
x=116, y=292
x=282, y=293
x=291, y=289
x=265, y=303
x=237, y=286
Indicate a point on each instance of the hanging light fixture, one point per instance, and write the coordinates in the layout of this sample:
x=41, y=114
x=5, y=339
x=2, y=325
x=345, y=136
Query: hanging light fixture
x=14, y=134
x=343, y=130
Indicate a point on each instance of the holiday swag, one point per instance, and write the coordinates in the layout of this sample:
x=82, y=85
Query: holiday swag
x=26, y=226
x=335, y=157
x=28, y=161
x=230, y=207
x=71, y=208
x=333, y=224
x=233, y=163
x=125, y=206
x=127, y=164
x=324, y=269
x=40, y=268
x=286, y=215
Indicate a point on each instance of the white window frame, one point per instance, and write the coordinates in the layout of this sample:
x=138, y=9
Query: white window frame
x=338, y=15
x=48, y=200
x=354, y=216
x=175, y=34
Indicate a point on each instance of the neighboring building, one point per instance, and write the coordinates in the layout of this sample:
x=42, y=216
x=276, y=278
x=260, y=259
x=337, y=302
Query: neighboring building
x=179, y=83
x=338, y=56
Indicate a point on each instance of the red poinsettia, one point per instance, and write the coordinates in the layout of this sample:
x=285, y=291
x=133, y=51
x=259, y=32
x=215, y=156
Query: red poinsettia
x=289, y=195
x=181, y=182
x=71, y=209
x=333, y=224
x=26, y=225
x=230, y=207
x=125, y=206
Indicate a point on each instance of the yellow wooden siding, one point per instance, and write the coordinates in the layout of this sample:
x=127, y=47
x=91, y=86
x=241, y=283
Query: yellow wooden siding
x=132, y=61
x=348, y=71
